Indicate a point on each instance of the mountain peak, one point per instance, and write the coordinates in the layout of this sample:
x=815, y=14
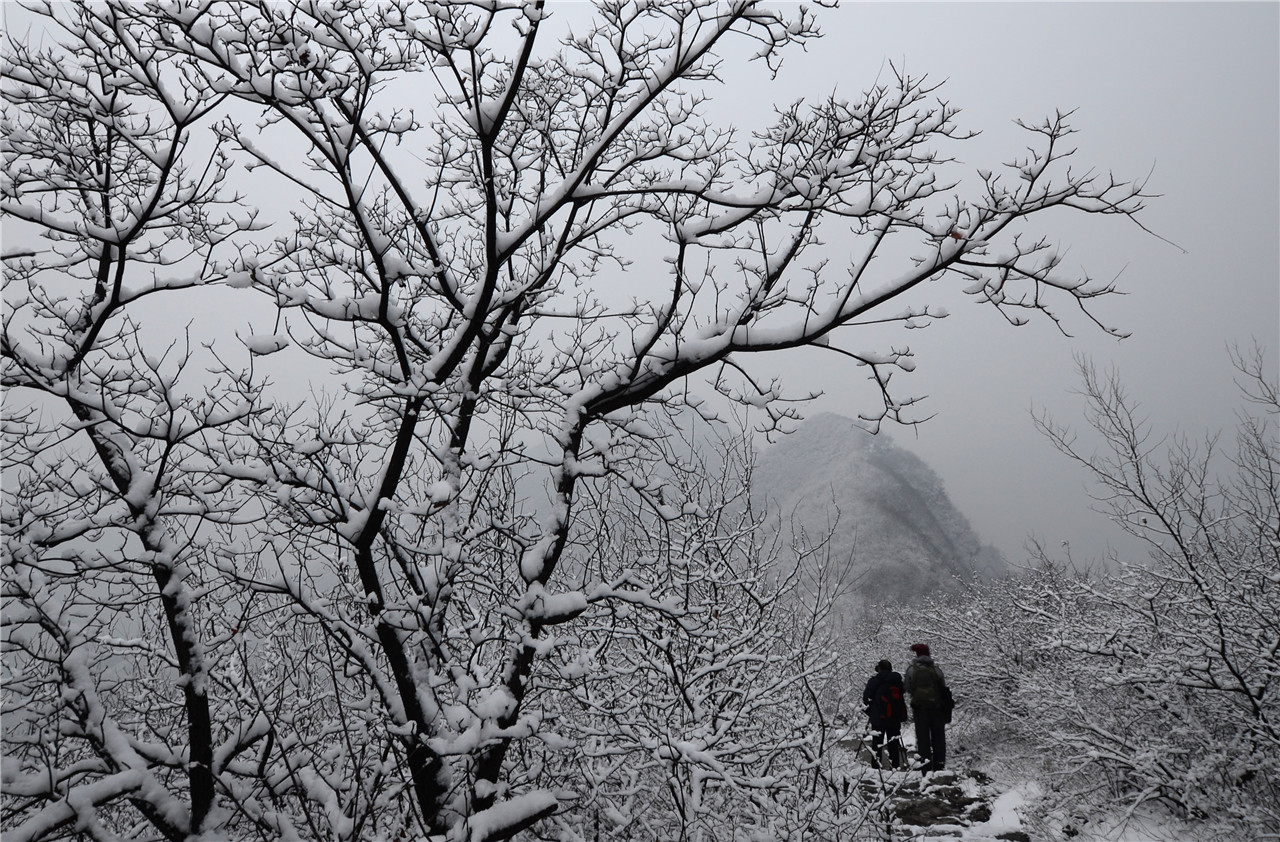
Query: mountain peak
x=895, y=528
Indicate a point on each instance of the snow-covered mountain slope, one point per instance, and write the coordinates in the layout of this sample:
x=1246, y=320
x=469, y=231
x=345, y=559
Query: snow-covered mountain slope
x=894, y=524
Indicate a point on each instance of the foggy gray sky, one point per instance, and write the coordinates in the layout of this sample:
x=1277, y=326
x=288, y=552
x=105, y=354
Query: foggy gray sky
x=1185, y=91
x=1188, y=92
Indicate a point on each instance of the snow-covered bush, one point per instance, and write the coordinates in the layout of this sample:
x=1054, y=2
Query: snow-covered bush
x=686, y=687
x=1157, y=680
x=1186, y=642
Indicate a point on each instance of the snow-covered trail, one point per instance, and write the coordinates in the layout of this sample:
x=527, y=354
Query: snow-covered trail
x=969, y=806
x=966, y=804
x=945, y=805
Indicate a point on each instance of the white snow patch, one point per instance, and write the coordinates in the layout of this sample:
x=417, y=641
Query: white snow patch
x=263, y=345
x=1007, y=810
x=440, y=492
x=519, y=812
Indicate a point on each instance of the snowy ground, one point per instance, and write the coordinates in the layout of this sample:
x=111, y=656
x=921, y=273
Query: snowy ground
x=998, y=804
x=1015, y=804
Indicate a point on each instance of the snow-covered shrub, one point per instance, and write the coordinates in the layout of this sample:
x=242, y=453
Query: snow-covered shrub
x=1188, y=639
x=686, y=688
x=1157, y=680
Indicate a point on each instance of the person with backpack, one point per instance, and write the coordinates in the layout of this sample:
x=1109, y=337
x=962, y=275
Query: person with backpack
x=887, y=710
x=930, y=708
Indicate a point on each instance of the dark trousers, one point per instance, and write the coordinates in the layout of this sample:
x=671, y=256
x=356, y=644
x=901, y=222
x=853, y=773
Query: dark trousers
x=931, y=738
x=892, y=730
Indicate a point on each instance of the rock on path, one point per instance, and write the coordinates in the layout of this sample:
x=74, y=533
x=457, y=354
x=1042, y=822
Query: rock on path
x=966, y=807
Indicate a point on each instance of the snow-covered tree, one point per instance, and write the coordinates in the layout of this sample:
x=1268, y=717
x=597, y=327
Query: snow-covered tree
x=1156, y=680
x=689, y=695
x=320, y=584
x=1187, y=643
x=109, y=480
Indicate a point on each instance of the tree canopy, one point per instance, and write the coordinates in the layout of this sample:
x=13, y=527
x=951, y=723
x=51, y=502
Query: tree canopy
x=356, y=575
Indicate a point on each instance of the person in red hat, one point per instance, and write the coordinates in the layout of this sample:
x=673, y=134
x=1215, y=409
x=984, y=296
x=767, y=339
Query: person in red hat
x=930, y=707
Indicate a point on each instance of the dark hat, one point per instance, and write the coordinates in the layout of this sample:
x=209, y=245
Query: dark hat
x=920, y=648
x=884, y=666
